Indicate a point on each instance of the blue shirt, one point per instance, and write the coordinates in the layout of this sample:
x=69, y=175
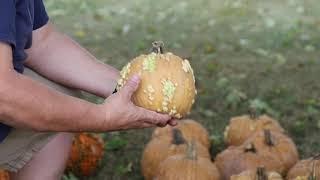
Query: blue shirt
x=18, y=18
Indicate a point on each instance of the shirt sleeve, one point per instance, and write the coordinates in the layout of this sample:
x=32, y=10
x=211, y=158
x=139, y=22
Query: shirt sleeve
x=40, y=15
x=7, y=22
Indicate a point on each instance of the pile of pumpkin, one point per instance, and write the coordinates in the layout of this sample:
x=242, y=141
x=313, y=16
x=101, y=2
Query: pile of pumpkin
x=181, y=152
x=258, y=149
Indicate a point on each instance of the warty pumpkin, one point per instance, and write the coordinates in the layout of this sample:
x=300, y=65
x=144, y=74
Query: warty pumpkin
x=167, y=82
x=236, y=159
x=241, y=128
x=187, y=166
x=276, y=144
x=257, y=174
x=86, y=153
x=307, y=169
x=4, y=175
x=190, y=129
x=158, y=149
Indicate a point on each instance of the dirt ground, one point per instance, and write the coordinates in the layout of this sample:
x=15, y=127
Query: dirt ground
x=245, y=53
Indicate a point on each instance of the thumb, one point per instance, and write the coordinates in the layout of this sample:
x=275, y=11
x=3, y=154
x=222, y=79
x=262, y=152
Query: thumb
x=131, y=86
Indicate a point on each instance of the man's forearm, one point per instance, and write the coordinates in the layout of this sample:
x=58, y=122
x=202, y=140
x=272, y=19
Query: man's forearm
x=25, y=103
x=57, y=57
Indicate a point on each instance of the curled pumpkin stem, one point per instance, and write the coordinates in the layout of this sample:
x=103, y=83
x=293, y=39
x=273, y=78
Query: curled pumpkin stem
x=268, y=137
x=261, y=173
x=250, y=148
x=157, y=47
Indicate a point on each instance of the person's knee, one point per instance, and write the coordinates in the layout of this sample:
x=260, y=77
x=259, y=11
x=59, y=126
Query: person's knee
x=50, y=162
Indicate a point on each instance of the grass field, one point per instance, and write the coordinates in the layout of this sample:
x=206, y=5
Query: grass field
x=245, y=53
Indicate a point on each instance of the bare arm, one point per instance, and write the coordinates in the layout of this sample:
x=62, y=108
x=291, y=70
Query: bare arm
x=25, y=103
x=60, y=59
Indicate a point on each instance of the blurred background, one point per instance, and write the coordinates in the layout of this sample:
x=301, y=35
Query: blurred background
x=245, y=54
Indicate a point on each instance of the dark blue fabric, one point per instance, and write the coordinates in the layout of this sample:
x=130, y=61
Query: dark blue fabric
x=18, y=18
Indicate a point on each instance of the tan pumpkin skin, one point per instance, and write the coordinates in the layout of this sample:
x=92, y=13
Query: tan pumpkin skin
x=283, y=147
x=4, y=175
x=187, y=166
x=157, y=150
x=235, y=160
x=190, y=129
x=303, y=169
x=167, y=83
x=242, y=127
x=178, y=167
x=252, y=175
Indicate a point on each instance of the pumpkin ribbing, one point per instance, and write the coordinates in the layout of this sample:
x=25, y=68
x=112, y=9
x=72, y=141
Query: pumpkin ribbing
x=187, y=166
x=259, y=173
x=167, y=82
x=242, y=127
x=307, y=169
x=158, y=149
x=191, y=130
x=236, y=159
x=277, y=145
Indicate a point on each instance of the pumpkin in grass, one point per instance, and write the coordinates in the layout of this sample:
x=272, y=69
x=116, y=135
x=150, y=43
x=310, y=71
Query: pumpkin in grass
x=187, y=166
x=191, y=130
x=236, y=159
x=278, y=145
x=307, y=169
x=167, y=82
x=158, y=149
x=242, y=127
x=86, y=153
x=257, y=174
x=4, y=175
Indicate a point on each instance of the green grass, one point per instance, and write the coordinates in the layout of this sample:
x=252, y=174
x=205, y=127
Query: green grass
x=262, y=54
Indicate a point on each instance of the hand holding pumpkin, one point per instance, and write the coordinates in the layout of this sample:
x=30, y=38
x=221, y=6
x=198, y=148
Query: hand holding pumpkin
x=122, y=114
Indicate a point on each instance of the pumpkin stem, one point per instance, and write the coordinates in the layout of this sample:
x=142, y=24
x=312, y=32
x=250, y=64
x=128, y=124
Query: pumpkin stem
x=177, y=137
x=268, y=137
x=253, y=113
x=316, y=157
x=261, y=173
x=191, y=151
x=157, y=47
x=250, y=148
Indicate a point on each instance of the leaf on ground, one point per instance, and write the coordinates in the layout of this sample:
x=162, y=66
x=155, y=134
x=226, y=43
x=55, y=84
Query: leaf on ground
x=235, y=97
x=222, y=82
x=80, y=34
x=116, y=143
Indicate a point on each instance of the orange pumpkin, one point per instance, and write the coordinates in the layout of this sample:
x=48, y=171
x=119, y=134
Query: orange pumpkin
x=4, y=175
x=242, y=127
x=167, y=82
x=86, y=153
x=276, y=144
x=236, y=159
x=187, y=166
x=257, y=174
x=191, y=130
x=159, y=149
x=307, y=169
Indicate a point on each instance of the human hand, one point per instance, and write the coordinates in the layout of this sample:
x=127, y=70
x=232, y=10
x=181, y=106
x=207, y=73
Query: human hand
x=122, y=114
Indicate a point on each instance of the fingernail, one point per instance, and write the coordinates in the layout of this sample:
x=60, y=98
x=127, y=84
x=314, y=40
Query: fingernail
x=135, y=78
